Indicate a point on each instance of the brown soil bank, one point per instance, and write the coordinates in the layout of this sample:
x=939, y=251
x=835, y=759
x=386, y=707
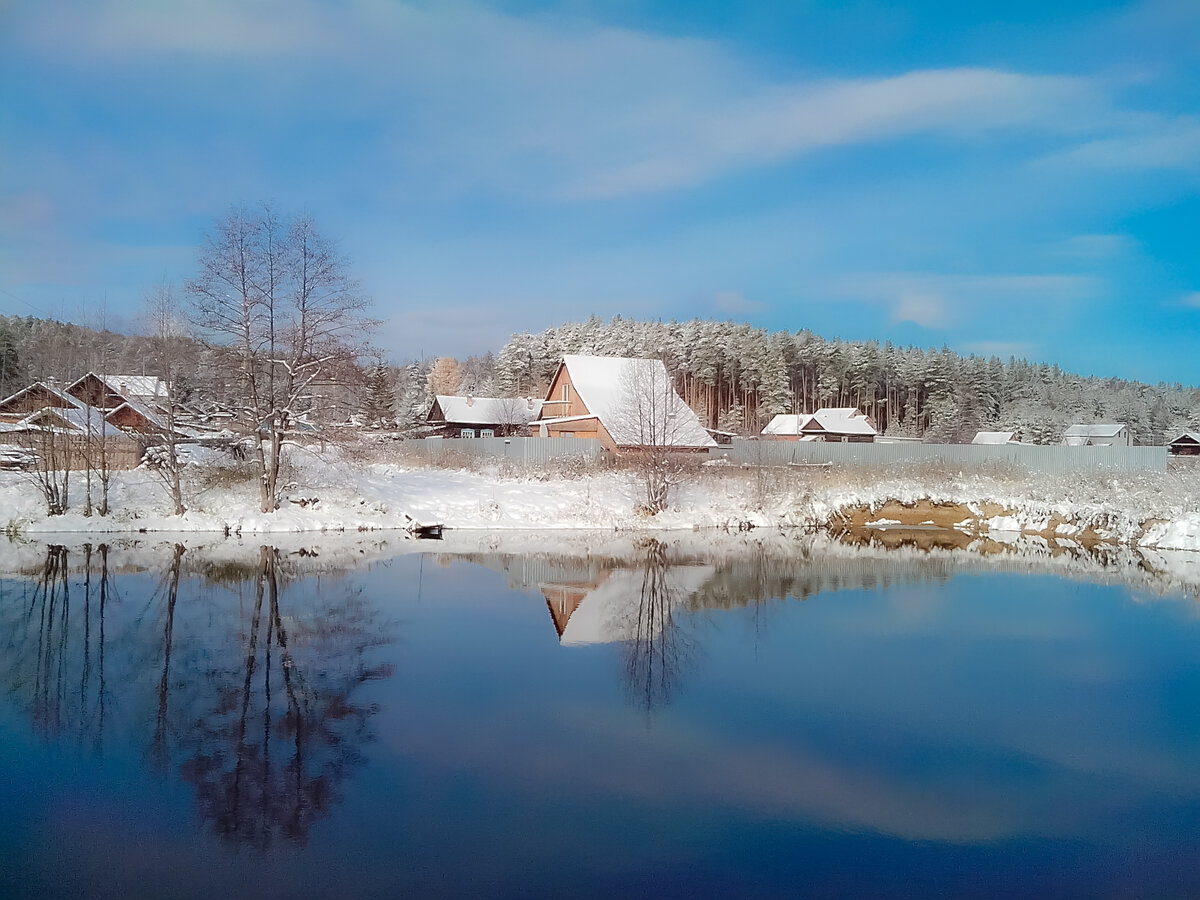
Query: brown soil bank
x=957, y=522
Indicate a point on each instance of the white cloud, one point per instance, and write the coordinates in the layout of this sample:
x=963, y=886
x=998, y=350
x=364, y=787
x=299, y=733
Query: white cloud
x=735, y=304
x=940, y=301
x=1148, y=143
x=549, y=106
x=920, y=308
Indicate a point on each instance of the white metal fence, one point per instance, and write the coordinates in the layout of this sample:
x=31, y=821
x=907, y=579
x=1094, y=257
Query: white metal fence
x=1053, y=459
x=518, y=449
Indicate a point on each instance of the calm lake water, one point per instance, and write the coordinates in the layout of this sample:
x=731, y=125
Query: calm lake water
x=516, y=718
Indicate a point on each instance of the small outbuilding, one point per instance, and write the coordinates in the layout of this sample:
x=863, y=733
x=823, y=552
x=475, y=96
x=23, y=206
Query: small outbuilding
x=1187, y=444
x=1100, y=434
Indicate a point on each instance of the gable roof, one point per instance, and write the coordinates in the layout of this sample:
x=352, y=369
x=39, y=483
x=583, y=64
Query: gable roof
x=136, y=385
x=787, y=423
x=841, y=420
x=994, y=437
x=152, y=416
x=72, y=419
x=69, y=402
x=488, y=410
x=608, y=387
x=1188, y=437
x=1099, y=429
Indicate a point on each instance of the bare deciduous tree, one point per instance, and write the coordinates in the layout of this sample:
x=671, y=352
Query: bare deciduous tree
x=54, y=453
x=281, y=294
x=653, y=422
x=168, y=334
x=512, y=415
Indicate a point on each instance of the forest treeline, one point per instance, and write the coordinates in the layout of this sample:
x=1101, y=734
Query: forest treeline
x=735, y=376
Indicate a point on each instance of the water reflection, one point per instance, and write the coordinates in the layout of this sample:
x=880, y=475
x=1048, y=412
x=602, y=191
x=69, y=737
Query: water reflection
x=243, y=684
x=923, y=698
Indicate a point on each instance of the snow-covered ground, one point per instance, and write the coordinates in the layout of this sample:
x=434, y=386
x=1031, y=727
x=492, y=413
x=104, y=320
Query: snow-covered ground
x=334, y=492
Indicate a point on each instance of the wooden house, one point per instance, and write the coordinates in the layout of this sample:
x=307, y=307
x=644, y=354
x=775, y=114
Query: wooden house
x=475, y=417
x=37, y=396
x=74, y=437
x=1187, y=444
x=625, y=403
x=846, y=424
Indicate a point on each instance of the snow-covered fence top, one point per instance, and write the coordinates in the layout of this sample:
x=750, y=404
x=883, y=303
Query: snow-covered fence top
x=519, y=449
x=1053, y=460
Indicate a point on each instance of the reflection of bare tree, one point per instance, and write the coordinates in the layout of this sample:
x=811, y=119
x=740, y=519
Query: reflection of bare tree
x=264, y=725
x=268, y=757
x=159, y=746
x=657, y=649
x=52, y=650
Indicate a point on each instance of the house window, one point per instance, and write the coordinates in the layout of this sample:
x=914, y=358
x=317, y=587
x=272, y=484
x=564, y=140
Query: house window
x=467, y=433
x=487, y=432
x=566, y=392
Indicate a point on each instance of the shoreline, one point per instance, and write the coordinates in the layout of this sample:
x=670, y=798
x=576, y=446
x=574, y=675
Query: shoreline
x=337, y=496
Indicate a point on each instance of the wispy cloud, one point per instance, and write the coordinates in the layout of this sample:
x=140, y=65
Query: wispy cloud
x=570, y=110
x=1148, y=142
x=939, y=301
x=734, y=303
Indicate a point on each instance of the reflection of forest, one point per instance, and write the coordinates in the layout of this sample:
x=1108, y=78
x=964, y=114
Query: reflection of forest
x=752, y=572
x=242, y=683
x=642, y=599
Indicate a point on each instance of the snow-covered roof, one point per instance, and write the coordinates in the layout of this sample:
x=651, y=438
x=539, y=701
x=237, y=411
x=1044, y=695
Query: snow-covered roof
x=67, y=399
x=787, y=423
x=842, y=420
x=136, y=385
x=994, y=437
x=489, y=410
x=75, y=419
x=1105, y=429
x=610, y=612
x=1188, y=437
x=609, y=387
x=152, y=416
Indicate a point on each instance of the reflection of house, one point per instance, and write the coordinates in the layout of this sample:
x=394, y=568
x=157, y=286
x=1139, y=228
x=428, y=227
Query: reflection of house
x=831, y=424
x=624, y=403
x=1187, y=444
x=613, y=606
x=482, y=416
x=1098, y=435
x=995, y=437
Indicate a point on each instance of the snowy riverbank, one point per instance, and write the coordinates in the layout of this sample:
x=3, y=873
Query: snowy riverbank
x=333, y=493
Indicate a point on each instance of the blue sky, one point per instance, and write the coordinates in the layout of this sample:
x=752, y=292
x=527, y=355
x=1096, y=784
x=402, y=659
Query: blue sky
x=1011, y=177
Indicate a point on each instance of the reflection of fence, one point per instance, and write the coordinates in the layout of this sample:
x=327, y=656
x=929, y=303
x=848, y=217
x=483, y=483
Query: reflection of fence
x=518, y=449
x=1053, y=459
